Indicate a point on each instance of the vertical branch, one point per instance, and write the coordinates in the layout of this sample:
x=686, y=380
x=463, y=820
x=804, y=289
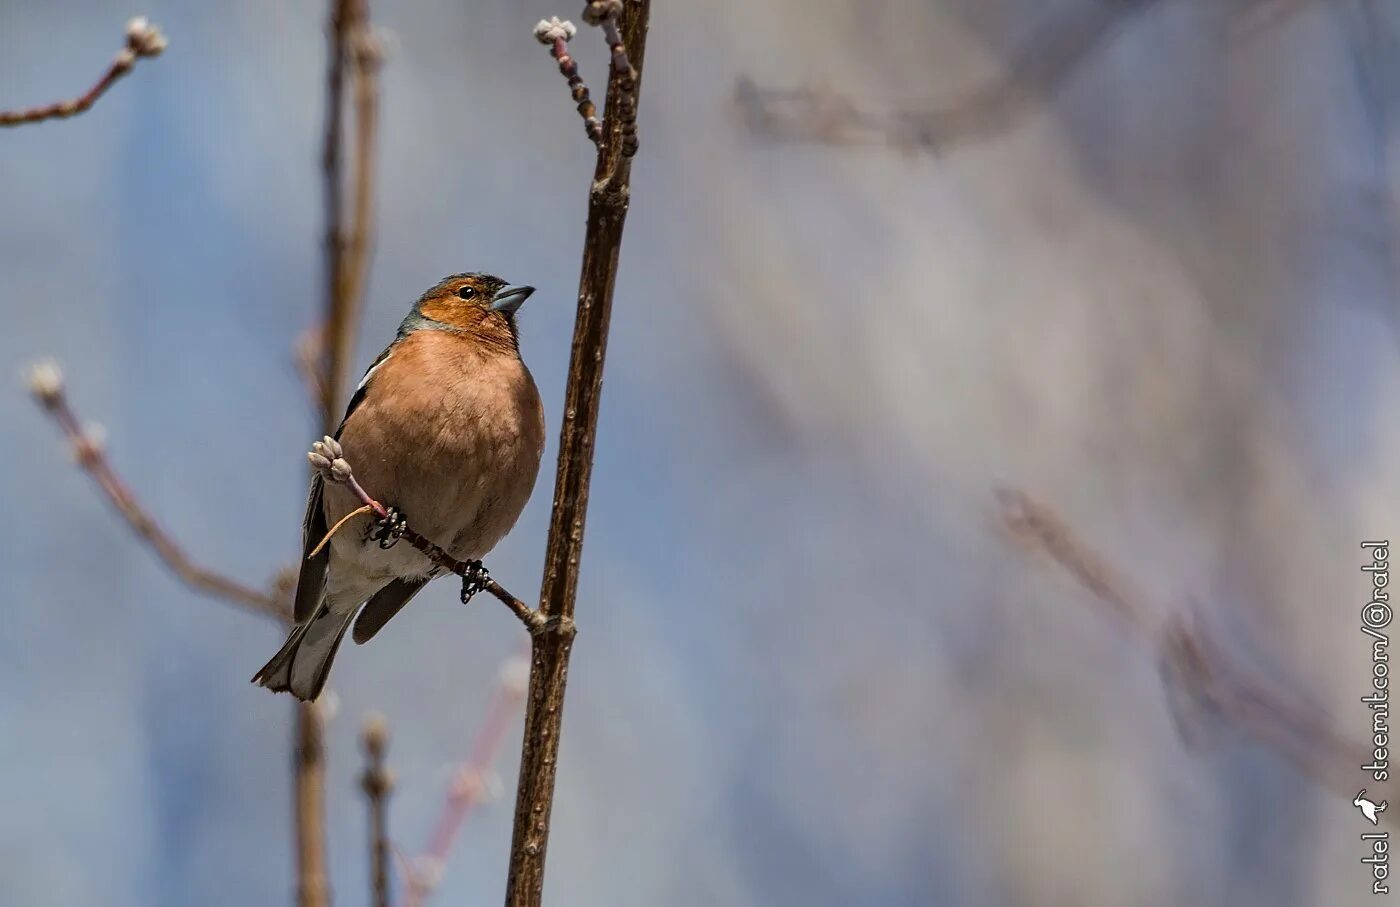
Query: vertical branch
x=552, y=640
x=377, y=782
x=313, y=889
x=347, y=262
x=332, y=190
x=365, y=56
x=347, y=246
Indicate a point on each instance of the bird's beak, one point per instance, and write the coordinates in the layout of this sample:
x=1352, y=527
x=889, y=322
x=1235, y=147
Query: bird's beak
x=510, y=298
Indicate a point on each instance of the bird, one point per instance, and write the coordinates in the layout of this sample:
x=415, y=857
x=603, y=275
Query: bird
x=446, y=428
x=1369, y=809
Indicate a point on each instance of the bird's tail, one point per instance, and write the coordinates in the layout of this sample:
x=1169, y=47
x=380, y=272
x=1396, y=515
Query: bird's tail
x=301, y=666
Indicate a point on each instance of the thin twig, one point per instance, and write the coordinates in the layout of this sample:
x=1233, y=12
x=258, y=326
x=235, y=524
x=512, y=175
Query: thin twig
x=622, y=106
x=366, y=55
x=359, y=511
x=377, y=782
x=469, y=783
x=1200, y=677
x=335, y=324
x=327, y=457
x=556, y=33
x=552, y=640
x=47, y=385
x=142, y=40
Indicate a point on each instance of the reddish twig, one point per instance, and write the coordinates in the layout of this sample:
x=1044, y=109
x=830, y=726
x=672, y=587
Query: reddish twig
x=1199, y=676
x=556, y=34
x=469, y=783
x=46, y=384
x=142, y=40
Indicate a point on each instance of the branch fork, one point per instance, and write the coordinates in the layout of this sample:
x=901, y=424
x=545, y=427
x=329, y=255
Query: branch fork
x=556, y=33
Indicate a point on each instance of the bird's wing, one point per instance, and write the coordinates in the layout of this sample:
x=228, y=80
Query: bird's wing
x=384, y=605
x=311, y=580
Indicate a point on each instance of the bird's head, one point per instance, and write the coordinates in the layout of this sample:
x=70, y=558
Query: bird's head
x=477, y=304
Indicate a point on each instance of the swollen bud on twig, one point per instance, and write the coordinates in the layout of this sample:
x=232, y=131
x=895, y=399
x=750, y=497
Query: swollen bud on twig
x=375, y=731
x=547, y=31
x=340, y=470
x=144, y=39
x=328, y=458
x=45, y=380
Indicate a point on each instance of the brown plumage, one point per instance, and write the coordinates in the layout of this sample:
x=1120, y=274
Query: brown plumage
x=447, y=428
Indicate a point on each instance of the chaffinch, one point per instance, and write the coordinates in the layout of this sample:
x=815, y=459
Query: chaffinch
x=447, y=427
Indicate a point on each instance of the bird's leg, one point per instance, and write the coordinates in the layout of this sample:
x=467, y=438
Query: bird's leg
x=474, y=580
x=389, y=528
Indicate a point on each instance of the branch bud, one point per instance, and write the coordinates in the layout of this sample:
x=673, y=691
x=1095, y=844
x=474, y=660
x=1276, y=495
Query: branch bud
x=45, y=380
x=145, y=39
x=547, y=31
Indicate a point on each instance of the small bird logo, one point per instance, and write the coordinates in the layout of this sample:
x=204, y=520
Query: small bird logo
x=1368, y=809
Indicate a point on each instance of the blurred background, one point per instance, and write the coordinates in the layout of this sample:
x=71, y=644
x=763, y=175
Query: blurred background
x=1158, y=293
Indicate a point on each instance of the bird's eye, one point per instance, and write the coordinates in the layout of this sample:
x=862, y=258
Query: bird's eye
x=466, y=292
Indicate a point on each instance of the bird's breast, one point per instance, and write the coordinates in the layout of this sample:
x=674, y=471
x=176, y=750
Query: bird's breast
x=450, y=436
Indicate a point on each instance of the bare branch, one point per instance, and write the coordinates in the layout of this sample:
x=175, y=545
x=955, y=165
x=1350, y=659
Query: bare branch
x=552, y=639
x=556, y=34
x=470, y=782
x=347, y=247
x=1200, y=678
x=46, y=384
x=142, y=40
x=377, y=782
x=366, y=55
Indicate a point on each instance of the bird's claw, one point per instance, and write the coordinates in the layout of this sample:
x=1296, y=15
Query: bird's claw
x=389, y=529
x=474, y=580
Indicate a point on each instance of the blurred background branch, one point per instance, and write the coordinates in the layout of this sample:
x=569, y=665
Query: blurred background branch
x=1203, y=683
x=1057, y=49
x=142, y=40
x=377, y=783
x=46, y=383
x=472, y=781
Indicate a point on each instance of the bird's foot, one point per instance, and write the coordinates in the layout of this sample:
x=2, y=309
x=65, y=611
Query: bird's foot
x=389, y=529
x=474, y=580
